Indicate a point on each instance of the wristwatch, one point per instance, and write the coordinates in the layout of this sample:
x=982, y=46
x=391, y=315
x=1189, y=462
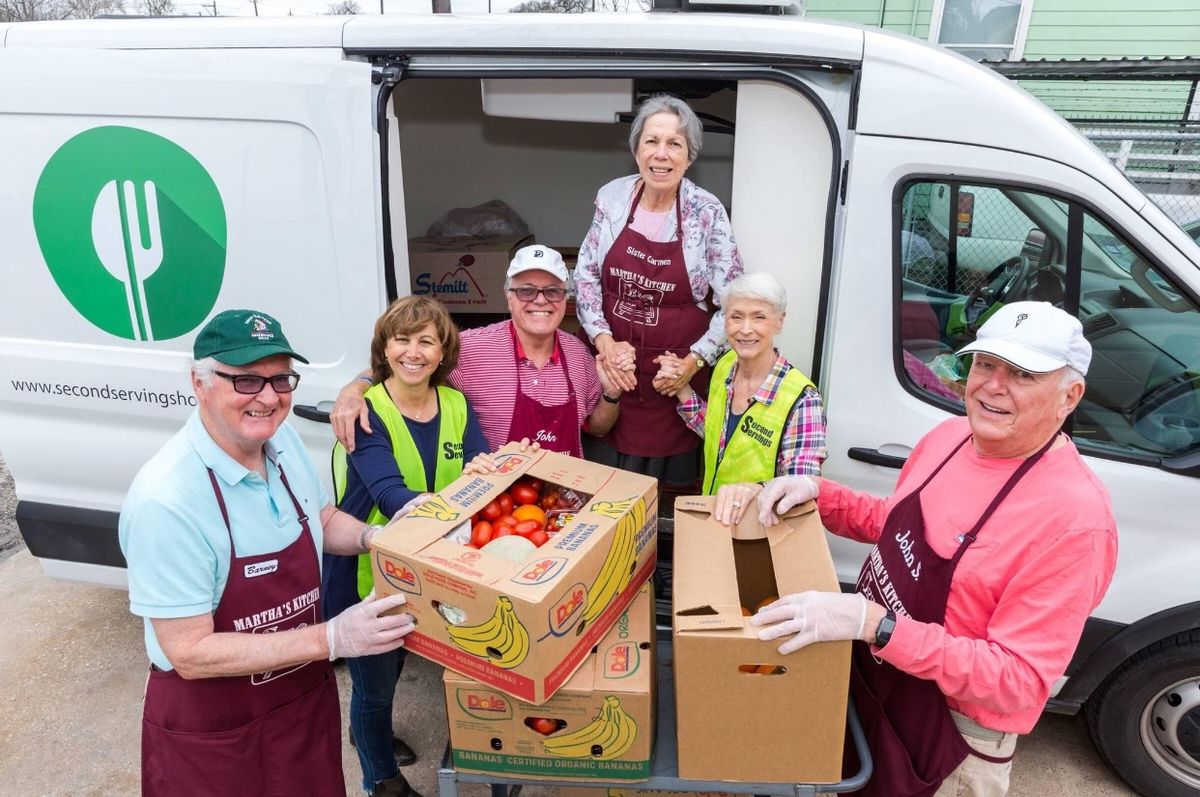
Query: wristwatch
x=700, y=361
x=616, y=400
x=883, y=634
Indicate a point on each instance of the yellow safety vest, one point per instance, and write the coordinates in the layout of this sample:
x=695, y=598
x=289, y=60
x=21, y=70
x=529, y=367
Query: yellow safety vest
x=452, y=425
x=751, y=451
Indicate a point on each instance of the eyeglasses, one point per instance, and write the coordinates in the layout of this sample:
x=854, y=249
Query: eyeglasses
x=527, y=293
x=250, y=384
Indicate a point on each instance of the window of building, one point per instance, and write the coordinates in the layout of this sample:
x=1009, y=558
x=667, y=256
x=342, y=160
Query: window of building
x=982, y=29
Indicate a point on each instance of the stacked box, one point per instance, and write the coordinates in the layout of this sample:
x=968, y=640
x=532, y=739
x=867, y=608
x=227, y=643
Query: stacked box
x=599, y=725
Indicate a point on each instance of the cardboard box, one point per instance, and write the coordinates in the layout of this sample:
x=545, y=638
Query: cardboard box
x=745, y=712
x=599, y=725
x=465, y=274
x=521, y=627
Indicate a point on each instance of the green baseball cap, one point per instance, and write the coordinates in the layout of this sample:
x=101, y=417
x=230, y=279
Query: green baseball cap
x=241, y=337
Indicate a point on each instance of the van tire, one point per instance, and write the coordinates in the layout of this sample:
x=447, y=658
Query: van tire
x=1134, y=718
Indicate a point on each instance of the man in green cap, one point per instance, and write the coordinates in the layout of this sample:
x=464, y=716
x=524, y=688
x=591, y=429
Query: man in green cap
x=222, y=531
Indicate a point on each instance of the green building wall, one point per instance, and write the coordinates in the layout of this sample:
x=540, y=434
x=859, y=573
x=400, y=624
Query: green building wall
x=1072, y=29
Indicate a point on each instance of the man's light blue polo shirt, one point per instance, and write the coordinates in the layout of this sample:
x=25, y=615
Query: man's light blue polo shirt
x=171, y=529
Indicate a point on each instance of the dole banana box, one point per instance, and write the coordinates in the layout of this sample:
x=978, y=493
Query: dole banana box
x=521, y=627
x=744, y=711
x=599, y=725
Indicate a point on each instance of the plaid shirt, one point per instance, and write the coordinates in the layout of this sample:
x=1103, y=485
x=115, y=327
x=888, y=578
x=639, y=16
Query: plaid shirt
x=802, y=448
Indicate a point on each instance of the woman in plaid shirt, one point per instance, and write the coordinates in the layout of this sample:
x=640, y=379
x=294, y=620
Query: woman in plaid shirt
x=772, y=421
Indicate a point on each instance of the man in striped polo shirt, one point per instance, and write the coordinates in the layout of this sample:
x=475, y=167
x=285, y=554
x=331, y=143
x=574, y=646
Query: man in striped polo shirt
x=524, y=377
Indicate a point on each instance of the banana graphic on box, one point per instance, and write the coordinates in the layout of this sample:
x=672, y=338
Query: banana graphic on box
x=501, y=639
x=606, y=737
x=619, y=565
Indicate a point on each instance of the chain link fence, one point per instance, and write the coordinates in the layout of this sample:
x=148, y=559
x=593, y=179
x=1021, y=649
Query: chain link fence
x=1143, y=114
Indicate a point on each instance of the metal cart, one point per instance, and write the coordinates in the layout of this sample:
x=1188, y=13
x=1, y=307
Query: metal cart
x=664, y=768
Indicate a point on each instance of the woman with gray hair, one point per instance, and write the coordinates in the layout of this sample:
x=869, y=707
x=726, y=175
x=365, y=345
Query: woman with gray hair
x=763, y=417
x=657, y=244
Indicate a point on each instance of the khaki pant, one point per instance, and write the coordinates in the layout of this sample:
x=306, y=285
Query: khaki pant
x=976, y=777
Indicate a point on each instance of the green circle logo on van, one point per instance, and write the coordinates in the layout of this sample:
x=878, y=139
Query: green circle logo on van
x=133, y=231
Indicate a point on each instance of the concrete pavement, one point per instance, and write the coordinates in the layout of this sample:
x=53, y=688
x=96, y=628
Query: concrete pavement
x=75, y=670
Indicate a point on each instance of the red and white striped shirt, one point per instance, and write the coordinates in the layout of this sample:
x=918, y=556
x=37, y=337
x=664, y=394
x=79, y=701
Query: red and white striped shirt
x=487, y=373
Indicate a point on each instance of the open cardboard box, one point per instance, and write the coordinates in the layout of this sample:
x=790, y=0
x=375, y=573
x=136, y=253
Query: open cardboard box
x=744, y=711
x=521, y=627
x=599, y=725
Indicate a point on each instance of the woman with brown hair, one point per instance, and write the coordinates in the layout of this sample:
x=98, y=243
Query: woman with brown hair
x=422, y=433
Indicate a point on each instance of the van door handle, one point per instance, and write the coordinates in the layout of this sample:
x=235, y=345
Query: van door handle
x=311, y=412
x=872, y=457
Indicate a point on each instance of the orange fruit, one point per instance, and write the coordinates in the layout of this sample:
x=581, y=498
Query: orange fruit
x=766, y=602
x=530, y=512
x=746, y=612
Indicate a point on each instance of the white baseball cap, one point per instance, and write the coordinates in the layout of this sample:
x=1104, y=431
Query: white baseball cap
x=1034, y=336
x=537, y=258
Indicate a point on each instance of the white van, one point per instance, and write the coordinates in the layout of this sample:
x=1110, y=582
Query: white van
x=159, y=171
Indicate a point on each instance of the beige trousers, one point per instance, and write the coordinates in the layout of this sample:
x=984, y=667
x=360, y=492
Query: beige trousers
x=976, y=777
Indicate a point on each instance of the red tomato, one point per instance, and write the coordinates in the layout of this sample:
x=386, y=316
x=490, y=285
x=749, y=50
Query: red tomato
x=523, y=494
x=527, y=527
x=543, y=725
x=506, y=503
x=549, y=501
x=536, y=484
x=481, y=534
x=503, y=531
x=491, y=511
x=506, y=520
x=538, y=538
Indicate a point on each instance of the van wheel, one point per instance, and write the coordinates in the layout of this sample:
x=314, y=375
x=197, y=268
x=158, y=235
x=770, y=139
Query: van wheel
x=1145, y=719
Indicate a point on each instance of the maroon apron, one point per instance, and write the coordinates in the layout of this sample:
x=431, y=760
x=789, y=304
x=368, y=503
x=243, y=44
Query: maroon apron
x=648, y=302
x=911, y=736
x=271, y=733
x=554, y=428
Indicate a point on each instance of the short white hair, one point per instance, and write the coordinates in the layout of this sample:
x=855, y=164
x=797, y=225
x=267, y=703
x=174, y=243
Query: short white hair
x=758, y=285
x=1070, y=376
x=204, y=369
x=689, y=123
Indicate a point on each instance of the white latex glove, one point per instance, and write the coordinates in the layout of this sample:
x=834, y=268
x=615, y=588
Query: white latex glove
x=361, y=630
x=812, y=617
x=782, y=493
x=412, y=504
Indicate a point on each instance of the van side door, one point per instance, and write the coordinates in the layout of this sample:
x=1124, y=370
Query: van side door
x=145, y=192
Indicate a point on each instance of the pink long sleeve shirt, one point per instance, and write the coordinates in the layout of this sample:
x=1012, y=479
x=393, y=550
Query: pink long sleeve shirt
x=1022, y=591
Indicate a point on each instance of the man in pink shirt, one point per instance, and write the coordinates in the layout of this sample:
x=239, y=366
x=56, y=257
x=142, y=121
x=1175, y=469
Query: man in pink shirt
x=997, y=544
x=524, y=377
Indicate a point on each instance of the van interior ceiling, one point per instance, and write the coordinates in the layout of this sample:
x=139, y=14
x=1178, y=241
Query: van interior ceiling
x=773, y=176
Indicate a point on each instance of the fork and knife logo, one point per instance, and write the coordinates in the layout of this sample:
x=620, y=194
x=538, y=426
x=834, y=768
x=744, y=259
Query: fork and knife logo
x=132, y=228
